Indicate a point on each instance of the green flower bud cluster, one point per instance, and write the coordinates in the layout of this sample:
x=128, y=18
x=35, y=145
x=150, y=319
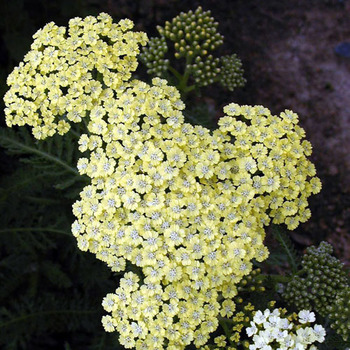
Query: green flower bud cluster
x=231, y=74
x=251, y=283
x=194, y=33
x=339, y=313
x=233, y=326
x=192, y=36
x=154, y=56
x=322, y=285
x=205, y=71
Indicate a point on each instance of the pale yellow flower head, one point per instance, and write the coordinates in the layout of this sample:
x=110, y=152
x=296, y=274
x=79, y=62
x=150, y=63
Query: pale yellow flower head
x=67, y=70
x=185, y=205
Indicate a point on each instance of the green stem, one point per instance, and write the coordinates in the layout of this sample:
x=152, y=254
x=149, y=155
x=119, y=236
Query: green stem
x=175, y=73
x=46, y=313
x=226, y=329
x=189, y=88
x=42, y=154
x=33, y=229
x=184, y=79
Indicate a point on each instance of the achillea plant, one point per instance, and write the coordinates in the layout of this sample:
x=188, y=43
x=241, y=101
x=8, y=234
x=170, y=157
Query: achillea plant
x=179, y=211
x=191, y=37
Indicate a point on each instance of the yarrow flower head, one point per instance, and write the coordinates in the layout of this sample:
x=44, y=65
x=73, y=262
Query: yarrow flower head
x=231, y=72
x=67, y=70
x=186, y=206
x=271, y=330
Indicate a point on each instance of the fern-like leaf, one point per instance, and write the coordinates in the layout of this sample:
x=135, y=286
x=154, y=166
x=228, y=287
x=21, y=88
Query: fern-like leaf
x=43, y=315
x=54, y=157
x=53, y=272
x=288, y=247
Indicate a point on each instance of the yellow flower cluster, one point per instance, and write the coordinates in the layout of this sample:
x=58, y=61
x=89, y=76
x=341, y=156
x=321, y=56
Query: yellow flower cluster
x=183, y=206
x=66, y=71
x=272, y=154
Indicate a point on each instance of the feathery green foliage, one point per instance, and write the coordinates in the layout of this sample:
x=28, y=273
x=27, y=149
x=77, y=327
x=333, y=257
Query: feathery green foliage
x=287, y=245
x=53, y=158
x=48, y=286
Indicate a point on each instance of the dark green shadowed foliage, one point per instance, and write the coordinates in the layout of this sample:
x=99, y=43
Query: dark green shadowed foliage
x=51, y=292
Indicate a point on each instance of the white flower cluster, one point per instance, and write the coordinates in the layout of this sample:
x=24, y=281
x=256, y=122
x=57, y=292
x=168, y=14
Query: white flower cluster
x=270, y=331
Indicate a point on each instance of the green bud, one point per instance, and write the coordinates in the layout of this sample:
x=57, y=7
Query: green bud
x=153, y=56
x=231, y=72
x=330, y=292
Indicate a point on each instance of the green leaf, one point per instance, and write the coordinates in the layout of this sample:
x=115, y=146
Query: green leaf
x=49, y=313
x=287, y=246
x=50, y=161
x=49, y=151
x=54, y=273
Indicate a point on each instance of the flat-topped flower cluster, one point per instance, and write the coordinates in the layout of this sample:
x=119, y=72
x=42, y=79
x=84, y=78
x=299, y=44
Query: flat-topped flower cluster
x=270, y=330
x=66, y=71
x=180, y=209
x=186, y=206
